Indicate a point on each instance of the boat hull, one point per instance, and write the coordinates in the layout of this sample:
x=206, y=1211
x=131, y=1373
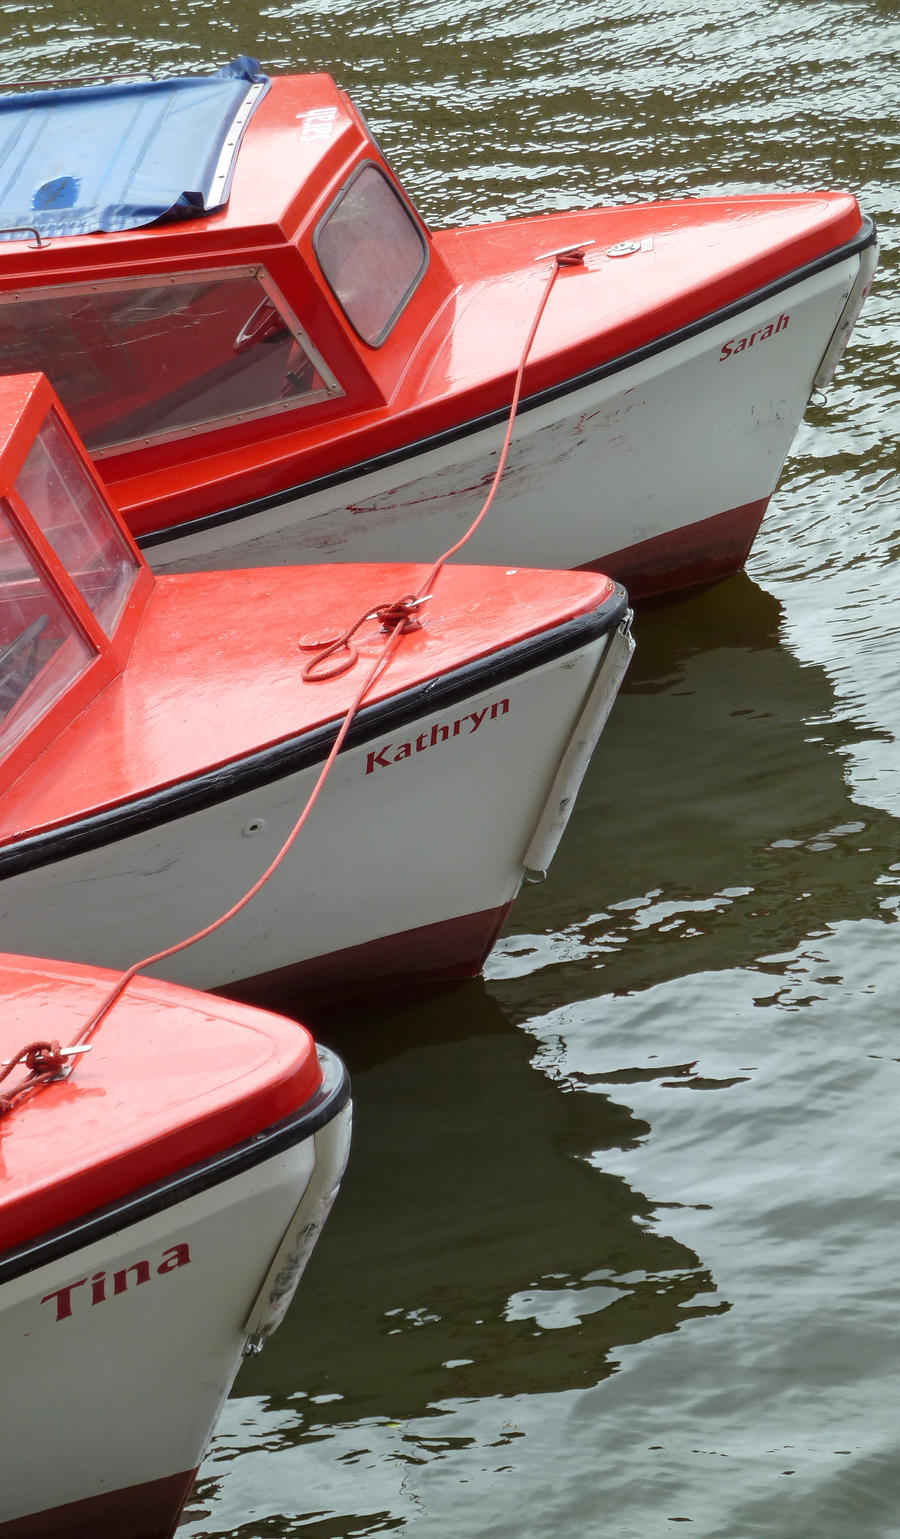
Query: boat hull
x=122, y=1336
x=404, y=871
x=656, y=468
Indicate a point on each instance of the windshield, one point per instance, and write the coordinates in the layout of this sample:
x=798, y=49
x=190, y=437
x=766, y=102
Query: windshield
x=372, y=252
x=41, y=652
x=136, y=360
x=65, y=504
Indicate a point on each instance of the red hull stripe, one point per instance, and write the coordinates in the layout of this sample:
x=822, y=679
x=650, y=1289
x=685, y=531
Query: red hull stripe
x=148, y=1511
x=689, y=557
x=427, y=957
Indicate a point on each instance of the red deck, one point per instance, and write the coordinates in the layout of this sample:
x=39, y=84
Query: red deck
x=213, y=637
x=173, y=1077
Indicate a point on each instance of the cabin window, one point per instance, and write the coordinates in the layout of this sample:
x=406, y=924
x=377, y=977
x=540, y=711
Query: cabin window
x=62, y=499
x=139, y=360
x=41, y=652
x=372, y=252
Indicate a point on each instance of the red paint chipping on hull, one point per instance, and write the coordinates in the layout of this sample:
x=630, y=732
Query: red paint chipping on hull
x=691, y=557
x=427, y=957
x=148, y=1511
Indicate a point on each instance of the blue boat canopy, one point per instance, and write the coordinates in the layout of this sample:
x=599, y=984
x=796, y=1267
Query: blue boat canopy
x=114, y=157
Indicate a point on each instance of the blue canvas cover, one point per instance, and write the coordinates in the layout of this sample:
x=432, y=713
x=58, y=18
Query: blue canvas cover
x=114, y=157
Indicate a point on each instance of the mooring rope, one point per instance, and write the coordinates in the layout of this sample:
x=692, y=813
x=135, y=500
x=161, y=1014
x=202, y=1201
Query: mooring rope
x=397, y=617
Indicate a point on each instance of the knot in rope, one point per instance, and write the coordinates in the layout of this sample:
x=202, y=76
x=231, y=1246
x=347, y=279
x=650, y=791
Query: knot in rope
x=337, y=655
x=38, y=1058
x=44, y=1062
x=401, y=612
x=574, y=257
x=44, y=1058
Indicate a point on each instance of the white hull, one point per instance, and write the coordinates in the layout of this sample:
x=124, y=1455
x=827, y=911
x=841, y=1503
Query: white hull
x=632, y=465
x=421, y=838
x=109, y=1397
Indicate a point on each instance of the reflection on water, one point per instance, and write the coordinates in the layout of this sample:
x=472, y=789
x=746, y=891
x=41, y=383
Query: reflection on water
x=484, y=1236
x=478, y=1254
x=716, y=824
x=618, y=1246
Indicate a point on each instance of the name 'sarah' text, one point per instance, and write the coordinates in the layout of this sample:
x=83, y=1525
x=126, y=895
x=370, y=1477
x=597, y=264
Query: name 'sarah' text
x=737, y=345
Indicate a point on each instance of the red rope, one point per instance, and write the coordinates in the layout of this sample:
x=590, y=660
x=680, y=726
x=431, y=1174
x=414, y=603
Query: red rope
x=390, y=642
x=43, y=1060
x=400, y=612
x=571, y=258
x=397, y=618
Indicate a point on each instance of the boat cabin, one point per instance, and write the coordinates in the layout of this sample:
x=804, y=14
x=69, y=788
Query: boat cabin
x=271, y=358
x=290, y=290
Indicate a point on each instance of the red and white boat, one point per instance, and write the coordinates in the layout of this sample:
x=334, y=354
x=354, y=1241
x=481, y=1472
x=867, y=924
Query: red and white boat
x=301, y=370
x=156, y=1211
x=158, y=740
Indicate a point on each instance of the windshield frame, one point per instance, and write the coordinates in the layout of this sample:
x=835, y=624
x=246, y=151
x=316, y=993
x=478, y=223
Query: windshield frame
x=381, y=336
x=154, y=279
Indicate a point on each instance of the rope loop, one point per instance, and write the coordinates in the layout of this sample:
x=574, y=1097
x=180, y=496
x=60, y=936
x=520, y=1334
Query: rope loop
x=331, y=647
x=318, y=669
x=337, y=654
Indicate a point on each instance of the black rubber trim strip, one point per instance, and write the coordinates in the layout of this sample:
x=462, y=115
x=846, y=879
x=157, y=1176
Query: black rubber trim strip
x=331, y=1097
x=368, y=467
x=310, y=748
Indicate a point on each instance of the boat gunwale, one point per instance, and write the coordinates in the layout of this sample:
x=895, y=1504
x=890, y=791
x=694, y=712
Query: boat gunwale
x=123, y=1212
x=307, y=748
x=172, y=533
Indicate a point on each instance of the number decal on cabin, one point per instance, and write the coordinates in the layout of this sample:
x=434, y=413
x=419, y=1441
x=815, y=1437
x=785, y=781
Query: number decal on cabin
x=317, y=124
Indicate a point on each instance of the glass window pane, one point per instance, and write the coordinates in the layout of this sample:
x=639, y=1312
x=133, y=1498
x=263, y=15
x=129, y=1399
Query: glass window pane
x=41, y=653
x=372, y=252
x=63, y=500
x=133, y=360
